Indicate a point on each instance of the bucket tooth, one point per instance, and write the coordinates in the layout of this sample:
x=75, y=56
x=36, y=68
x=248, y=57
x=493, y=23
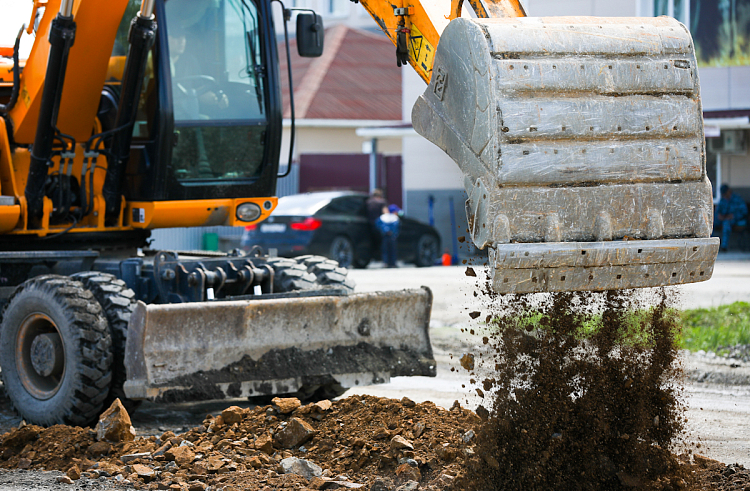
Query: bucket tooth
x=573, y=141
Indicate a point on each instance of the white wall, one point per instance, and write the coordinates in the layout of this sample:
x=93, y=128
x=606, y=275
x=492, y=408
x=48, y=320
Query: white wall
x=425, y=165
x=602, y=8
x=332, y=140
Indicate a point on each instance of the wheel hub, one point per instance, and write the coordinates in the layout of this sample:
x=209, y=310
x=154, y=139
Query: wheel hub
x=47, y=354
x=40, y=356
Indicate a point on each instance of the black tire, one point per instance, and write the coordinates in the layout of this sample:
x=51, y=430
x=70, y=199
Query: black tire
x=428, y=249
x=327, y=272
x=342, y=251
x=55, y=316
x=361, y=262
x=290, y=276
x=117, y=302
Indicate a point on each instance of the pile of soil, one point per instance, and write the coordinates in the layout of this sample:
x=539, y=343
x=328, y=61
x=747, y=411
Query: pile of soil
x=360, y=442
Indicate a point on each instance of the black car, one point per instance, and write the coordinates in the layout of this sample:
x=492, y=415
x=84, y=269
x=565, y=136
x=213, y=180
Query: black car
x=334, y=224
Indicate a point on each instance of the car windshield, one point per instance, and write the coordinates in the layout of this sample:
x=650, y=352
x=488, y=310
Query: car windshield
x=303, y=204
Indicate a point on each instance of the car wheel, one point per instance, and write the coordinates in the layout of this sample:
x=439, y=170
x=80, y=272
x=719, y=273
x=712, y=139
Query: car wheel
x=427, y=250
x=56, y=354
x=361, y=262
x=342, y=251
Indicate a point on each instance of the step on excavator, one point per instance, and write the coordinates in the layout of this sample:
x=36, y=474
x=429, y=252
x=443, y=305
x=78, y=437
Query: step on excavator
x=580, y=140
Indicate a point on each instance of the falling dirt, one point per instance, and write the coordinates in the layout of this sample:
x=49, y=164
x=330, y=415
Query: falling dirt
x=583, y=392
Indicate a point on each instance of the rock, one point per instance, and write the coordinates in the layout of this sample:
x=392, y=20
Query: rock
x=418, y=429
x=180, y=455
x=342, y=485
x=323, y=405
x=161, y=450
x=214, y=463
x=264, y=443
x=296, y=432
x=132, y=456
x=406, y=402
x=97, y=449
x=232, y=414
x=447, y=454
x=74, y=473
x=24, y=463
x=64, y=479
x=406, y=471
x=196, y=486
x=144, y=472
x=446, y=480
x=468, y=436
x=381, y=433
x=301, y=467
x=254, y=462
x=398, y=442
x=409, y=486
x=483, y=413
x=166, y=436
x=21, y=436
x=379, y=485
x=318, y=482
x=114, y=424
x=286, y=405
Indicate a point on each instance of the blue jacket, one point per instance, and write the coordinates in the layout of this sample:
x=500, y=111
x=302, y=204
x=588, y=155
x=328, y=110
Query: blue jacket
x=388, y=224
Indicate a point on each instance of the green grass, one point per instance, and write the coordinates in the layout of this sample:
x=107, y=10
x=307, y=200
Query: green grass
x=709, y=329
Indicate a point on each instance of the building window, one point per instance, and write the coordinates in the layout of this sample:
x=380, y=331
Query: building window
x=679, y=9
x=719, y=27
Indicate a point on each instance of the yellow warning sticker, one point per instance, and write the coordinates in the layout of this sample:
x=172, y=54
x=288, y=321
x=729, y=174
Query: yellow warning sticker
x=422, y=52
x=25, y=96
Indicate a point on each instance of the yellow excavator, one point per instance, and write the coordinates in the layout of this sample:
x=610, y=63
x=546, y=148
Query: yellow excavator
x=580, y=140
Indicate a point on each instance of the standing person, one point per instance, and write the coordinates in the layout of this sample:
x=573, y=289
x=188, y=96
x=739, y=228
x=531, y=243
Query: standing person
x=376, y=205
x=731, y=211
x=389, y=226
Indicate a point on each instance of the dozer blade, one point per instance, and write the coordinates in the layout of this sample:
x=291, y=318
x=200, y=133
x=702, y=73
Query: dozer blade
x=240, y=348
x=581, y=142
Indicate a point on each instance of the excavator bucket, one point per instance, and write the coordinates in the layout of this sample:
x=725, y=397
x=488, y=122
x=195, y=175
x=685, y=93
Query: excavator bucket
x=241, y=348
x=581, y=142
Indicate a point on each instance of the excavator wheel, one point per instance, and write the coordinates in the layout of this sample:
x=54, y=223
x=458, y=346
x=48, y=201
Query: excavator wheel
x=290, y=276
x=327, y=272
x=56, y=352
x=117, y=301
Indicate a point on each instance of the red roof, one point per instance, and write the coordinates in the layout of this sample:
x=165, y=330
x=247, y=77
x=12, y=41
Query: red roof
x=355, y=78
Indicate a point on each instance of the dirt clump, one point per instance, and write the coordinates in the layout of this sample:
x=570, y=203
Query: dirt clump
x=360, y=442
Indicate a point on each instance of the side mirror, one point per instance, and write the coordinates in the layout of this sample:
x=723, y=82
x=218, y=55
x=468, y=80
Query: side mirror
x=310, y=35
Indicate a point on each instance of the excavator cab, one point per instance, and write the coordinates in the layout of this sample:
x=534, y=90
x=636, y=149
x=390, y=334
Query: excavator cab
x=210, y=103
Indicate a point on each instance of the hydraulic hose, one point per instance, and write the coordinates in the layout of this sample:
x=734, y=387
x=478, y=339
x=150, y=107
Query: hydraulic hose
x=142, y=35
x=61, y=38
x=4, y=108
